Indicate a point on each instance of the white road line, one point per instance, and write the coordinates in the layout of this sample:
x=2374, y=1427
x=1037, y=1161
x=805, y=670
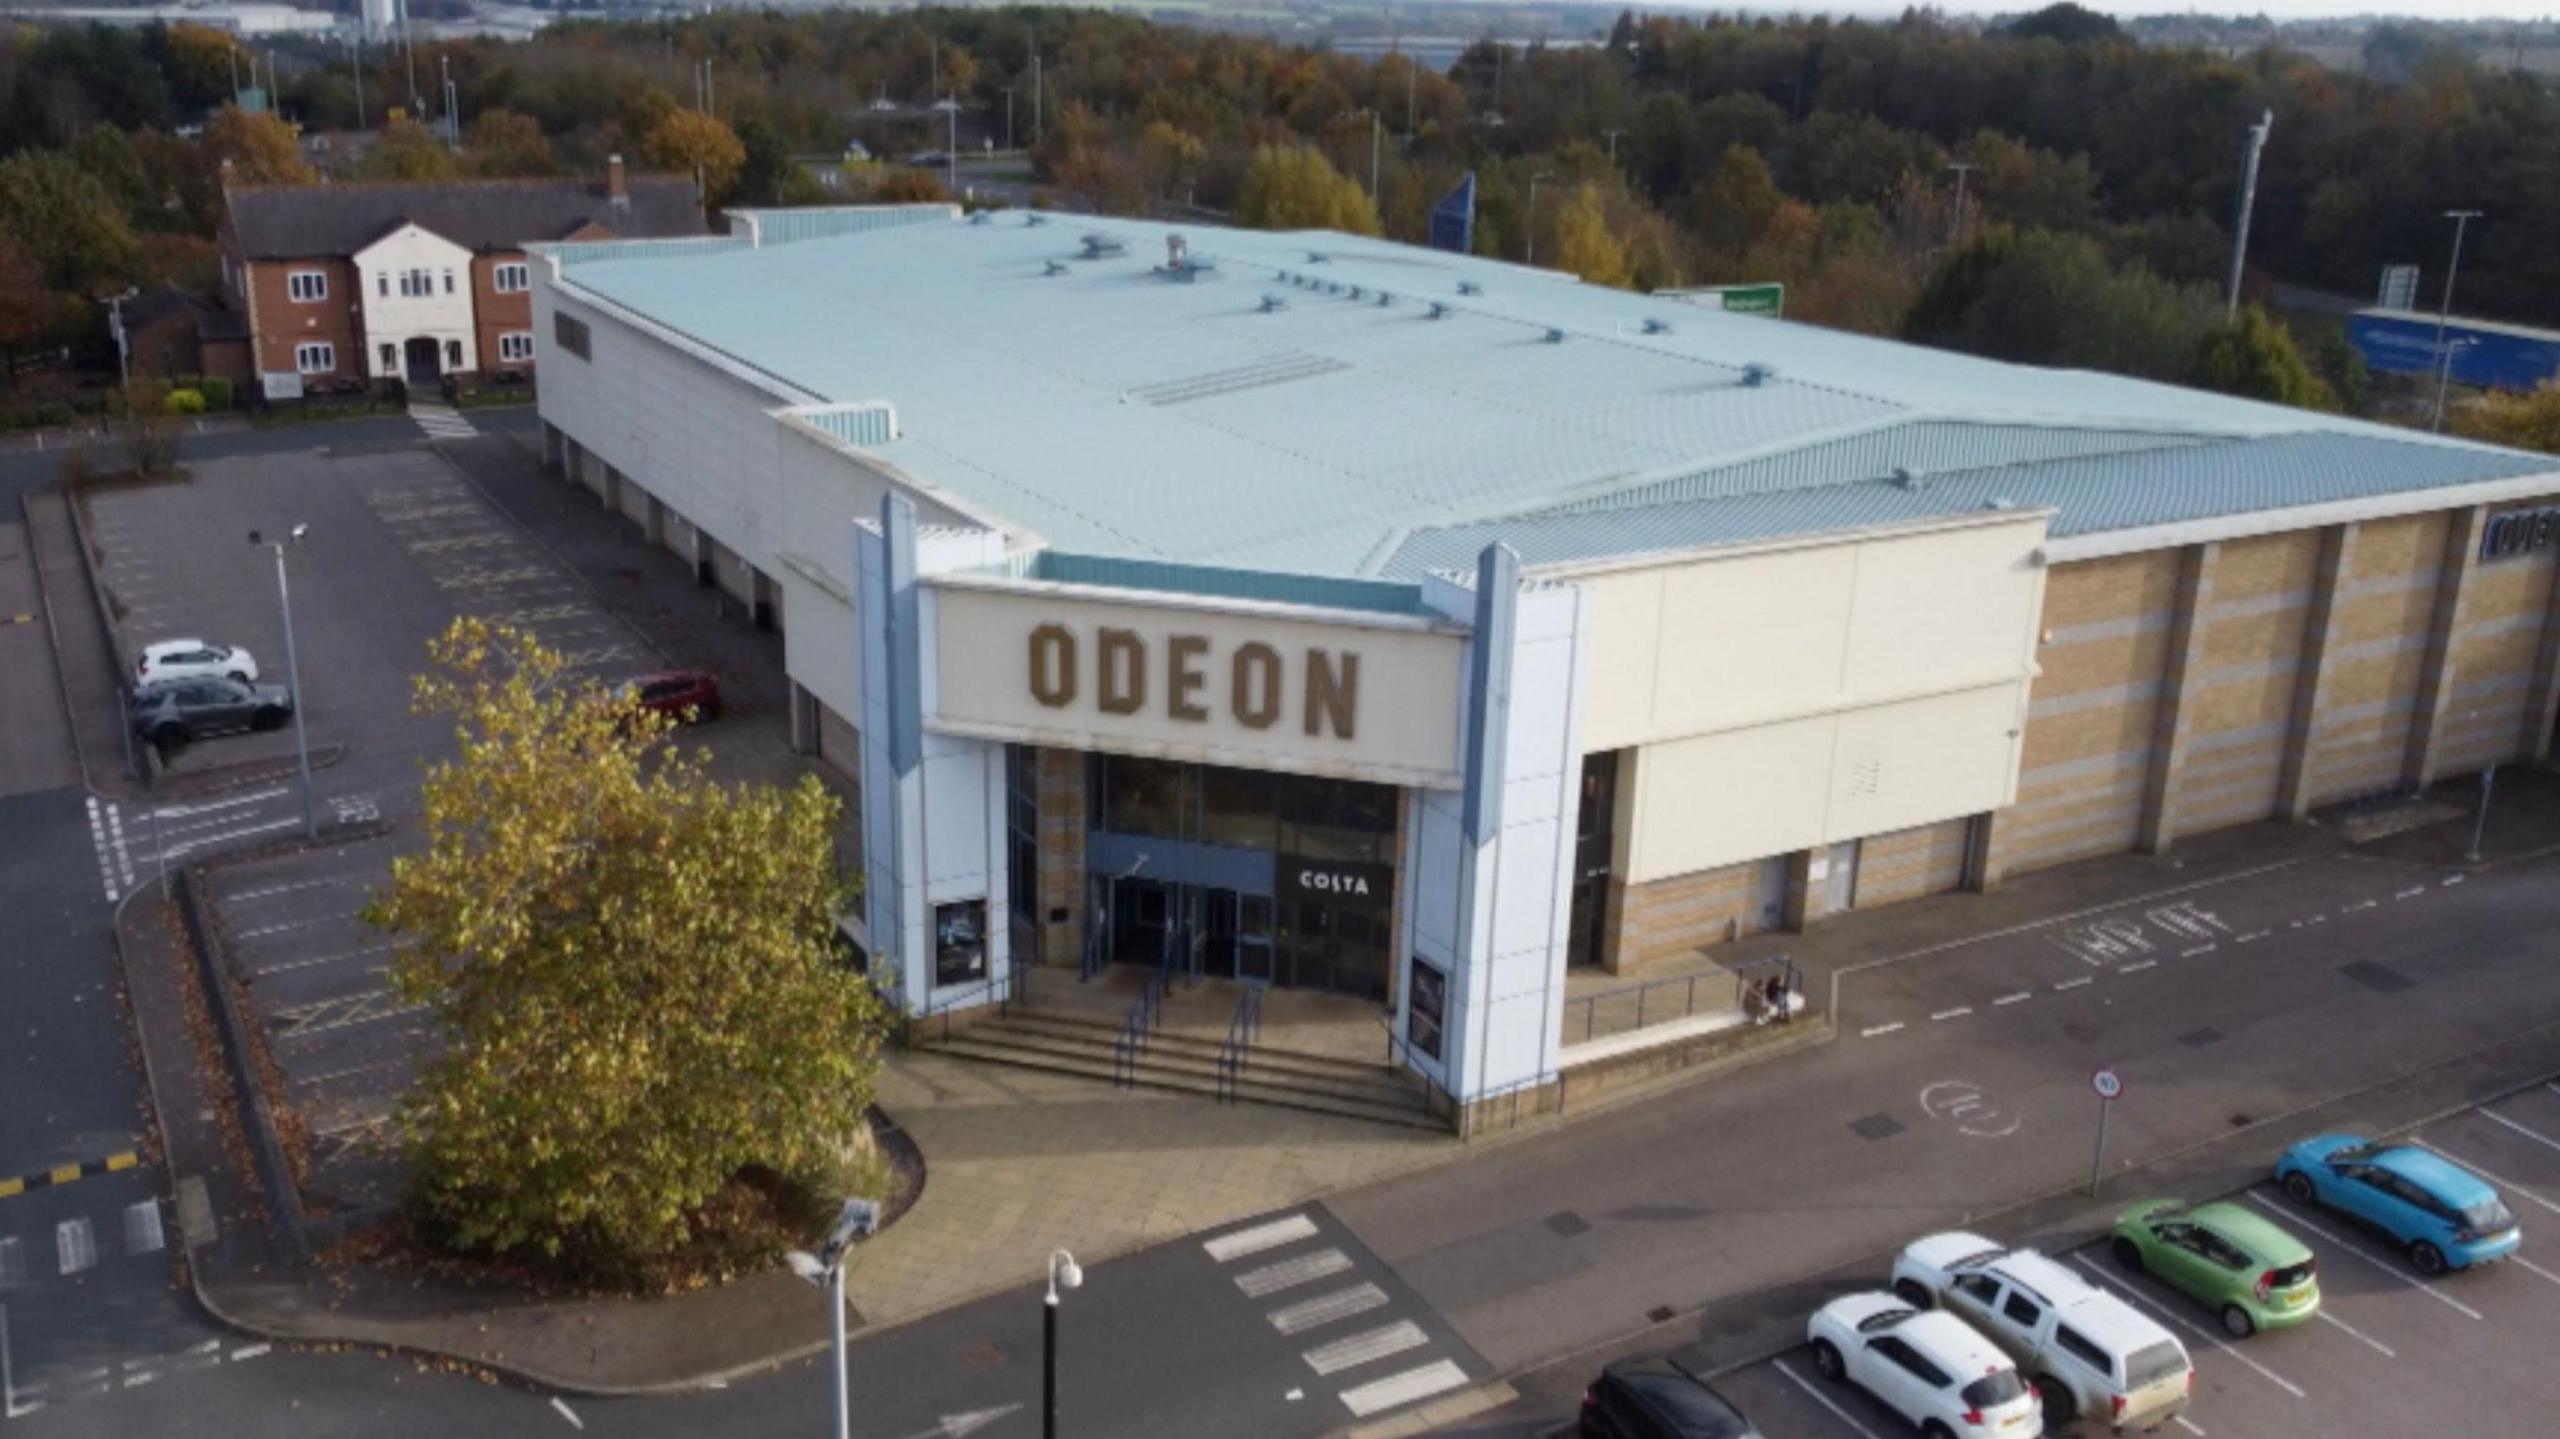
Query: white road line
x=1325, y=1309
x=2528, y=1265
x=2456, y=1305
x=1289, y=1273
x=182, y=811
x=2192, y=1327
x=136, y=1379
x=2378, y=1347
x=10, y=1406
x=142, y=1233
x=1366, y=1348
x=2181, y=1421
x=2075, y=983
x=2507, y=1184
x=1260, y=1237
x=567, y=1413
x=2254, y=936
x=2545, y=1140
x=2137, y=966
x=264, y=970
x=2018, y=998
x=250, y=1351
x=276, y=889
x=1874, y=1030
x=74, y=1245
x=2360, y=906
x=175, y=850
x=2450, y=881
x=291, y=925
x=2554, y=1088
x=1818, y=1397
x=1396, y=1390
x=2317, y=919
x=1959, y=1012
x=13, y=1264
x=2412, y=892
x=2199, y=949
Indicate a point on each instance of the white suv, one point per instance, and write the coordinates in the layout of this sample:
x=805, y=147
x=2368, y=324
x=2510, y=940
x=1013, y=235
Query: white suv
x=1925, y=1366
x=2089, y=1354
x=193, y=660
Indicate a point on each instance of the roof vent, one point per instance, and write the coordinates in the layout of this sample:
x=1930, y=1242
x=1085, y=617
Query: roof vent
x=1274, y=302
x=1754, y=375
x=1358, y=293
x=1555, y=337
x=1999, y=502
x=1055, y=267
x=1318, y=257
x=1654, y=325
x=1033, y=219
x=1098, y=245
x=1903, y=479
x=1385, y=299
x=1438, y=310
x=981, y=217
x=1469, y=287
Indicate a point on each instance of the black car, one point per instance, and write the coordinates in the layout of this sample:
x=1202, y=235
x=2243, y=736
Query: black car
x=175, y=711
x=1657, y=1399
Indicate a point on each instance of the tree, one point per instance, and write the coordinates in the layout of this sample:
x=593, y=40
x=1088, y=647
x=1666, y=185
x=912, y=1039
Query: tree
x=407, y=150
x=691, y=141
x=1296, y=188
x=2253, y=356
x=202, y=61
x=66, y=222
x=634, y=967
x=768, y=165
x=1584, y=245
x=1736, y=201
x=25, y=307
x=2042, y=298
x=907, y=185
x=2071, y=24
x=507, y=142
x=2527, y=422
x=260, y=147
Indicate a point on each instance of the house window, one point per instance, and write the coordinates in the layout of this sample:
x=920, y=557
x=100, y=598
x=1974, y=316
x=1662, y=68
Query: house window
x=453, y=354
x=382, y=283
x=511, y=279
x=306, y=286
x=315, y=359
x=417, y=284
x=390, y=359
x=516, y=345
x=448, y=282
x=570, y=334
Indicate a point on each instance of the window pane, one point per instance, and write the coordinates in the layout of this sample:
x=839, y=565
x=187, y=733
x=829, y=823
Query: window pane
x=1142, y=796
x=1239, y=808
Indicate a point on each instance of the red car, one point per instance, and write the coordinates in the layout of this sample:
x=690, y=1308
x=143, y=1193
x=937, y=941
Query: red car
x=690, y=696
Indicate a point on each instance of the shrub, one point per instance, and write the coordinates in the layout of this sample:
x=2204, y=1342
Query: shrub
x=216, y=391
x=183, y=402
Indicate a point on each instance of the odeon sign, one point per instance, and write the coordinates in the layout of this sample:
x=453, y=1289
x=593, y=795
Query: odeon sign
x=1119, y=675
x=2520, y=532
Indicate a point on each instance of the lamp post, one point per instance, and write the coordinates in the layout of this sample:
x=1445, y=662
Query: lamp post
x=1063, y=1274
x=1375, y=128
x=1532, y=256
x=858, y=1219
x=1613, y=144
x=1008, y=113
x=1955, y=227
x=2444, y=313
x=293, y=673
x=2248, y=206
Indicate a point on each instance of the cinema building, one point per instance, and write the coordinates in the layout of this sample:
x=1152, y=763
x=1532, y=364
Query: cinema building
x=1320, y=613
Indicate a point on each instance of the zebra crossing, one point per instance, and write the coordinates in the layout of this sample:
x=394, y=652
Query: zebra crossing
x=441, y=422
x=1311, y=1290
x=76, y=1247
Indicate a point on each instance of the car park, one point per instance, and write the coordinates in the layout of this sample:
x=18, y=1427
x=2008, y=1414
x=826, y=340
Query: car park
x=2250, y=1273
x=171, y=713
x=2090, y=1354
x=1657, y=1399
x=2444, y=1216
x=184, y=659
x=1925, y=1365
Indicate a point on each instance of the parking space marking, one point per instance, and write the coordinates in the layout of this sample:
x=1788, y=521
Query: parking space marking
x=370, y=1007
x=2020, y=997
x=2181, y=1421
x=1959, y=1012
x=2358, y=1250
x=2075, y=983
x=2494, y=1117
x=1818, y=1397
x=262, y=971
x=2137, y=966
x=182, y=811
x=2334, y=1322
x=2507, y=1184
x=1874, y=1031
x=2187, y=1324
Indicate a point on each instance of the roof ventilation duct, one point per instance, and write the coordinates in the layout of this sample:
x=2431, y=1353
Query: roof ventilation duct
x=1903, y=479
x=1033, y=219
x=1438, y=311
x=1274, y=302
x=1555, y=337
x=981, y=217
x=1654, y=325
x=1385, y=299
x=1318, y=257
x=1055, y=267
x=1098, y=246
x=1469, y=287
x=1756, y=375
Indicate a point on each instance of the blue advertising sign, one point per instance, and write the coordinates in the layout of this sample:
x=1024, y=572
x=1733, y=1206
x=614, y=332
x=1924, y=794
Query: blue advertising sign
x=1453, y=220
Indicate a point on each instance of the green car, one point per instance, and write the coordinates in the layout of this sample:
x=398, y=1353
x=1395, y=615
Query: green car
x=2253, y=1274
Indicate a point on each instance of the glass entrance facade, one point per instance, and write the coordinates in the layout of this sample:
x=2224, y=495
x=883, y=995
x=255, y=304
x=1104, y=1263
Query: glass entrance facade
x=1244, y=874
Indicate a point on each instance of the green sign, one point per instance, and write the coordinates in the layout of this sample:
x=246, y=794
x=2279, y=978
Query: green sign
x=1750, y=299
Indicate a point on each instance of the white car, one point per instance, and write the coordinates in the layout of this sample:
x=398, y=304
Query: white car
x=2089, y=1354
x=193, y=660
x=1925, y=1365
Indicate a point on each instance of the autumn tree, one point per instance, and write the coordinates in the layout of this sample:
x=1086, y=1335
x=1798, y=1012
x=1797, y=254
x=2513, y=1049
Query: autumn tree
x=66, y=221
x=633, y=967
x=2527, y=422
x=700, y=144
x=1584, y=245
x=25, y=307
x=1735, y=202
x=2253, y=356
x=1296, y=188
x=407, y=150
x=260, y=147
x=506, y=143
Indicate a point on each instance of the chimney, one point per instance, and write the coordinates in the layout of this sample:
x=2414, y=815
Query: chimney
x=616, y=188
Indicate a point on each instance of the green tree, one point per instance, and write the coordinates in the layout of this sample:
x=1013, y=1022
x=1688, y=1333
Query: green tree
x=2071, y=24
x=1736, y=202
x=2253, y=356
x=260, y=148
x=634, y=966
x=1296, y=188
x=1584, y=245
x=26, y=309
x=2527, y=422
x=108, y=154
x=768, y=165
x=699, y=144
x=2048, y=299
x=407, y=150
x=508, y=143
x=66, y=221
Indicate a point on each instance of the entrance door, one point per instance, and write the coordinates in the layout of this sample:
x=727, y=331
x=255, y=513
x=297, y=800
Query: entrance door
x=419, y=357
x=1253, y=939
x=1218, y=934
x=1141, y=918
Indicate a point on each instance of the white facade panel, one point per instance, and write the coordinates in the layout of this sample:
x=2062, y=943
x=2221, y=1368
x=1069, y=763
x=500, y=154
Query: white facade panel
x=417, y=285
x=1945, y=609
x=1922, y=761
x=1723, y=798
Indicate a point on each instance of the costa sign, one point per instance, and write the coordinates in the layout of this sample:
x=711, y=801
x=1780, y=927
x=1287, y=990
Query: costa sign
x=2520, y=532
x=1118, y=672
x=1365, y=886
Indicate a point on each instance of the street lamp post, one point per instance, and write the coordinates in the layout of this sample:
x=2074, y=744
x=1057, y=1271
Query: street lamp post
x=1613, y=144
x=1008, y=114
x=1063, y=1274
x=1375, y=128
x=2248, y=206
x=1532, y=255
x=1955, y=227
x=858, y=1219
x=2444, y=313
x=293, y=673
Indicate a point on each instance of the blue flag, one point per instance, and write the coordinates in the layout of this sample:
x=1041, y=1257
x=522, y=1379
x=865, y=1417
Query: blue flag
x=1453, y=220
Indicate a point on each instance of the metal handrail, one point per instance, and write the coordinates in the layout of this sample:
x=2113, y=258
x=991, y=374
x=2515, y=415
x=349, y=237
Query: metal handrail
x=1242, y=1029
x=1397, y=1043
x=1748, y=977
x=1135, y=1028
x=1015, y=980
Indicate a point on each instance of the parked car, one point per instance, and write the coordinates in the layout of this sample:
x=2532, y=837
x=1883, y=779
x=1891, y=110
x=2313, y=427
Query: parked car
x=2089, y=1354
x=173, y=712
x=1657, y=1399
x=2225, y=1257
x=1924, y=1365
x=193, y=659
x=687, y=696
x=2444, y=1215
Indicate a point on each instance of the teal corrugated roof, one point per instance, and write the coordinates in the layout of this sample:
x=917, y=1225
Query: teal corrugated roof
x=1285, y=413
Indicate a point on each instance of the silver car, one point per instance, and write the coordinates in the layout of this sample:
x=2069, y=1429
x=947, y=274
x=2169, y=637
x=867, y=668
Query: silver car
x=172, y=712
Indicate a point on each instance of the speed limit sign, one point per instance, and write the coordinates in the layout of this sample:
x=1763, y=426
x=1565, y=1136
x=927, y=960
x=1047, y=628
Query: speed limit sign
x=2106, y=1082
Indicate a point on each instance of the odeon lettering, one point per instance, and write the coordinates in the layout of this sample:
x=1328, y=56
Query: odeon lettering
x=1123, y=676
x=2520, y=532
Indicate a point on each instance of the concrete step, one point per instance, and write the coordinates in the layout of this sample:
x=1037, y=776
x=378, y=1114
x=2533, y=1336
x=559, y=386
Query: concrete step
x=1373, y=1084
x=1388, y=1104
x=1072, y=1025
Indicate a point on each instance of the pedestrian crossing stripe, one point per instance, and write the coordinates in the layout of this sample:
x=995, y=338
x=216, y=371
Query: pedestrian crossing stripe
x=67, y=1173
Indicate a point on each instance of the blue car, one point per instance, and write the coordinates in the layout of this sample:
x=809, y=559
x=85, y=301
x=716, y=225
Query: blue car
x=2443, y=1214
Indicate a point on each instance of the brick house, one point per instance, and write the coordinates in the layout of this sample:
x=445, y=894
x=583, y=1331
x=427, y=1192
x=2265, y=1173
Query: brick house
x=344, y=285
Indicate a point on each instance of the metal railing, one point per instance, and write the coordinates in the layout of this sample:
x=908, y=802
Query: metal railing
x=1242, y=1030
x=1664, y=1001
x=1136, y=1027
x=1473, y=1118
x=1006, y=989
